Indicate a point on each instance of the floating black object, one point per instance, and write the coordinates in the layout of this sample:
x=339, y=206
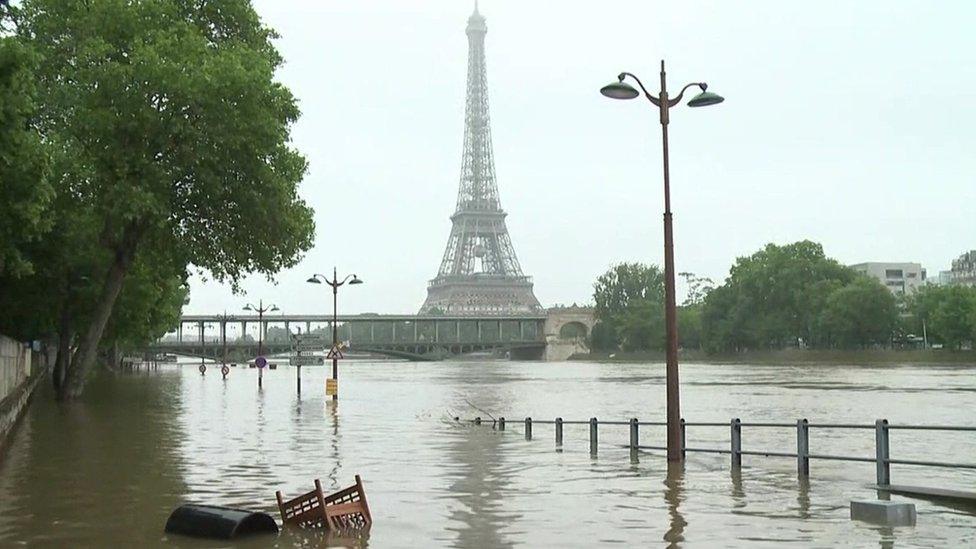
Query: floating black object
x=211, y=521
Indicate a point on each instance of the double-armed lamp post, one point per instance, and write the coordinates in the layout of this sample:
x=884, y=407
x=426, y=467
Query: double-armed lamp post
x=260, y=309
x=622, y=90
x=335, y=283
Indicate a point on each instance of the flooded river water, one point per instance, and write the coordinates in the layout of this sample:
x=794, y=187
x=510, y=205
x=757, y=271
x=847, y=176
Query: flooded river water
x=108, y=470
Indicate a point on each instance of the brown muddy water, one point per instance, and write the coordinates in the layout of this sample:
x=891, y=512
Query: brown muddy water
x=107, y=471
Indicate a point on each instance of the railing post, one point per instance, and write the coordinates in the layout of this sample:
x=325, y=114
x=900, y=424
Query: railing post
x=634, y=434
x=736, y=440
x=528, y=428
x=683, y=439
x=882, y=452
x=477, y=420
x=501, y=423
x=593, y=436
x=802, y=448
x=559, y=432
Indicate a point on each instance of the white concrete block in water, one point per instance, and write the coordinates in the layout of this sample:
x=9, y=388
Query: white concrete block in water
x=889, y=513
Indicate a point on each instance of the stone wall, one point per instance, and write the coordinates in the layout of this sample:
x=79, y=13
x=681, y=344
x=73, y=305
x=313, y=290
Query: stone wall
x=558, y=348
x=15, y=365
x=16, y=382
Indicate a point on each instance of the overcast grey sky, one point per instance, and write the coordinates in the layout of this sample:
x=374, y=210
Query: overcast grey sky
x=848, y=123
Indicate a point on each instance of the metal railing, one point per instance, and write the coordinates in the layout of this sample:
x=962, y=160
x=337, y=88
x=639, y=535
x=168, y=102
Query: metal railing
x=882, y=456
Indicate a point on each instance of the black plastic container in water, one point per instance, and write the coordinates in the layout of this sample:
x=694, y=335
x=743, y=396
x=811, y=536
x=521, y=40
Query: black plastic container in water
x=210, y=521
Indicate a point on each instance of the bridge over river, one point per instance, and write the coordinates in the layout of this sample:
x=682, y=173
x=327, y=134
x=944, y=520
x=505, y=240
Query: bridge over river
x=549, y=335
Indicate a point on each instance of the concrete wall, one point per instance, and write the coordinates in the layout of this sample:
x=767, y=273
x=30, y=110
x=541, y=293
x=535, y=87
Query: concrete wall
x=16, y=383
x=15, y=365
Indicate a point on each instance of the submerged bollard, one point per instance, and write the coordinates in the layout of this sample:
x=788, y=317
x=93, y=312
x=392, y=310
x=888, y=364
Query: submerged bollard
x=683, y=438
x=501, y=423
x=528, y=428
x=559, y=432
x=593, y=436
x=634, y=434
x=802, y=448
x=882, y=452
x=736, y=440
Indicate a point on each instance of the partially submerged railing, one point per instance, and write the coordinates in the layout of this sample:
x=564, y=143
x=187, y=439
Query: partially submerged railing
x=882, y=458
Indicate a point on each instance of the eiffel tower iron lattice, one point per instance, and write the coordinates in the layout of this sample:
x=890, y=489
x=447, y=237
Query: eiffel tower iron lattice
x=479, y=273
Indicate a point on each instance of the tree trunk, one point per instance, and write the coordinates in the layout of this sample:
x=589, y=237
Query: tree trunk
x=63, y=356
x=84, y=358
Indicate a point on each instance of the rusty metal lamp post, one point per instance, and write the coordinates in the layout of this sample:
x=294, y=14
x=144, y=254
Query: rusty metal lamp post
x=622, y=90
x=260, y=309
x=335, y=283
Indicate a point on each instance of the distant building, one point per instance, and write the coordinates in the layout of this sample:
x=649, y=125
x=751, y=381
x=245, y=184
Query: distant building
x=900, y=278
x=944, y=278
x=963, y=270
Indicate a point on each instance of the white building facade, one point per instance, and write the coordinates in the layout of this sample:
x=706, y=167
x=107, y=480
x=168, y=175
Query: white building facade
x=900, y=278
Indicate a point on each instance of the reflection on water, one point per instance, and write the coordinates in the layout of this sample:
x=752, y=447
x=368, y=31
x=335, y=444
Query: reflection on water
x=109, y=469
x=673, y=486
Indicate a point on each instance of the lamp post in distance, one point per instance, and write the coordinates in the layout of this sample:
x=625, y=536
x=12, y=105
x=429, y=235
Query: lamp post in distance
x=260, y=309
x=335, y=283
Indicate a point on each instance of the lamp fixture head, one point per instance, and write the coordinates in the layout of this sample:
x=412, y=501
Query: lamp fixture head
x=705, y=98
x=619, y=90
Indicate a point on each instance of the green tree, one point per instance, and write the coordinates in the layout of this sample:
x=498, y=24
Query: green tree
x=772, y=299
x=630, y=302
x=690, y=326
x=602, y=337
x=173, y=135
x=953, y=316
x=946, y=314
x=25, y=189
x=860, y=314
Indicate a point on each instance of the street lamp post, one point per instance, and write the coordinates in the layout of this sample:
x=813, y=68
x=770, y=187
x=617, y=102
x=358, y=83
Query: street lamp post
x=335, y=283
x=260, y=308
x=622, y=90
x=222, y=326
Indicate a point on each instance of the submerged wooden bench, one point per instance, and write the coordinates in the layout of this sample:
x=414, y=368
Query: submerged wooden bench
x=343, y=510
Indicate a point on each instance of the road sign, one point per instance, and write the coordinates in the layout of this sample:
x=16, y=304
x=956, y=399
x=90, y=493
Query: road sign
x=306, y=346
x=331, y=387
x=306, y=360
x=334, y=353
x=318, y=341
x=260, y=362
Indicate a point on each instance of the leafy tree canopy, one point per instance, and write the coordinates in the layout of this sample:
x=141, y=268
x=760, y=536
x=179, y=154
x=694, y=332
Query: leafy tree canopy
x=171, y=141
x=25, y=188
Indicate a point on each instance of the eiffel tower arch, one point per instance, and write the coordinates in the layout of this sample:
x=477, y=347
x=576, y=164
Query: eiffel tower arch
x=480, y=273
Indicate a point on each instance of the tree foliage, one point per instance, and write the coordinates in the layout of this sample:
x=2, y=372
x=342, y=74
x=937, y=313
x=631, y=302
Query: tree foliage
x=946, y=314
x=25, y=189
x=789, y=295
x=170, y=139
x=859, y=314
x=630, y=305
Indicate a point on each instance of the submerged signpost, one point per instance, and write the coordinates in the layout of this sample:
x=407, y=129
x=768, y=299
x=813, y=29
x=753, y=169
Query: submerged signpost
x=307, y=344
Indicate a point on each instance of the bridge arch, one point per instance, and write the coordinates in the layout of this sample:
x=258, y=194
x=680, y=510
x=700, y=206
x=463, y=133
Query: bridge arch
x=574, y=329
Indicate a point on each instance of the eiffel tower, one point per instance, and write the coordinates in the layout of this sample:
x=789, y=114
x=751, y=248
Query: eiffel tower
x=479, y=274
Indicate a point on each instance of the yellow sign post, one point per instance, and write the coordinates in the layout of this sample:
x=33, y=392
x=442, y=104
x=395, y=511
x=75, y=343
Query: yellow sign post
x=331, y=387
